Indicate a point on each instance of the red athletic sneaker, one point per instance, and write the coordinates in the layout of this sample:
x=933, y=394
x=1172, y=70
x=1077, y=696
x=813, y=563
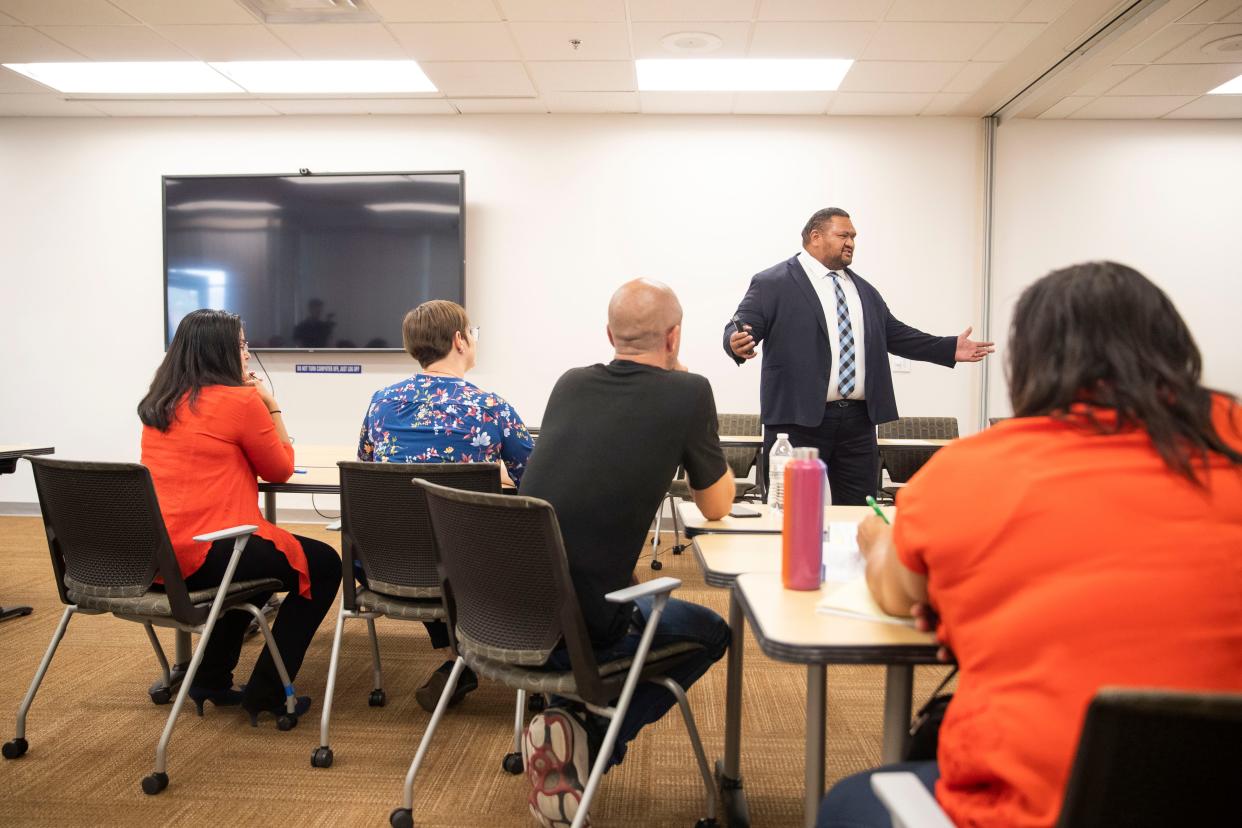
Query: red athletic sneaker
x=557, y=761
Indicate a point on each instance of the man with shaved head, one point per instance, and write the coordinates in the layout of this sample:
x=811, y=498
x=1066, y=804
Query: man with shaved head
x=612, y=438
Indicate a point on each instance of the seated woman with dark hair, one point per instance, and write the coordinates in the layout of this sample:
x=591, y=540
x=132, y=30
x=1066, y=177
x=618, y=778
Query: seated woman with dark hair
x=437, y=416
x=1091, y=540
x=208, y=428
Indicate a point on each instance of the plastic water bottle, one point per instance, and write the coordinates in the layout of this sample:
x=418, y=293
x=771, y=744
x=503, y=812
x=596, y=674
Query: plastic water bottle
x=802, y=534
x=780, y=454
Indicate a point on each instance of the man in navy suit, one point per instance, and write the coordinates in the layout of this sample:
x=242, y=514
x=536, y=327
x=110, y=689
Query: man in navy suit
x=827, y=335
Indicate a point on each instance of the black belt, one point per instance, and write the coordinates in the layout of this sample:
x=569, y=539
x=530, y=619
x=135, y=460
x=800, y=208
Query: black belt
x=846, y=403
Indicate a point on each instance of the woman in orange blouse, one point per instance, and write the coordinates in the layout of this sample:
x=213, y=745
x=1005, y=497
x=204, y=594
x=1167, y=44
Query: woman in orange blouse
x=209, y=428
x=1092, y=540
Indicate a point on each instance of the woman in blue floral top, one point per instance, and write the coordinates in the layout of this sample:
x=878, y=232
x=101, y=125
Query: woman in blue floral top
x=436, y=416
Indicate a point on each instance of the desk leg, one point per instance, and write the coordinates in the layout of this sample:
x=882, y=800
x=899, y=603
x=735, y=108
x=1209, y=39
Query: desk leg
x=898, y=690
x=729, y=773
x=269, y=507
x=816, y=714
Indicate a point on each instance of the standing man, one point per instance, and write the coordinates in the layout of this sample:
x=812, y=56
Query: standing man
x=827, y=334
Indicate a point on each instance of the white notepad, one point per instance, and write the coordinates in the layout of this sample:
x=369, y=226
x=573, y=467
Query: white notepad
x=842, y=562
x=852, y=599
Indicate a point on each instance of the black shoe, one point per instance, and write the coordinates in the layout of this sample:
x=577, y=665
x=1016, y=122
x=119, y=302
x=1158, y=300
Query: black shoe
x=220, y=697
x=278, y=710
x=428, y=696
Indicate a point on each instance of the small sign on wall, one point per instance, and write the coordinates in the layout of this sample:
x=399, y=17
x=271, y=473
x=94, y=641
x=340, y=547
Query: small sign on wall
x=303, y=368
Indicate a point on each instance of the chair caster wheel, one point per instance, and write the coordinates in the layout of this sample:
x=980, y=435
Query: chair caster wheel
x=657, y=565
x=15, y=748
x=401, y=818
x=537, y=703
x=286, y=721
x=377, y=698
x=679, y=548
x=322, y=757
x=513, y=763
x=161, y=696
x=153, y=784
x=706, y=822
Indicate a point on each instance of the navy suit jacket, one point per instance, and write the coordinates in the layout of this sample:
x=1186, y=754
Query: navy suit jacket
x=786, y=315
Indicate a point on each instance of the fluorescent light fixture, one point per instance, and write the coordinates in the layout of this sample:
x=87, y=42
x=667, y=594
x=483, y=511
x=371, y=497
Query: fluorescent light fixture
x=413, y=207
x=222, y=204
x=741, y=75
x=1233, y=87
x=324, y=77
x=128, y=78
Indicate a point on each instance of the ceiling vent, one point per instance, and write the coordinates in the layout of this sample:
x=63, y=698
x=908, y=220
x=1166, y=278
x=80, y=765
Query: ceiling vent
x=1227, y=47
x=312, y=11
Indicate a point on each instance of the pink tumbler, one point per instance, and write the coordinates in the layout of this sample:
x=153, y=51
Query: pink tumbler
x=802, y=541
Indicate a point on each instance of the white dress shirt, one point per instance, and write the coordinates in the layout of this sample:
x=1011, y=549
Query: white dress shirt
x=821, y=280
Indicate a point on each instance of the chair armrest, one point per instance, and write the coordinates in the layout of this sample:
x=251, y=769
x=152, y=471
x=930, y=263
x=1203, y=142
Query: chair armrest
x=908, y=801
x=653, y=587
x=334, y=526
x=235, y=532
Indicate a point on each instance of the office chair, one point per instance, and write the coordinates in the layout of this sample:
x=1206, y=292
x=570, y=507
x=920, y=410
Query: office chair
x=903, y=461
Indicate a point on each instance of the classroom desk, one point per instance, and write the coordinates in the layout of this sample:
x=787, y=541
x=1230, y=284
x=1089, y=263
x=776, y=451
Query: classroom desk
x=9, y=455
x=788, y=628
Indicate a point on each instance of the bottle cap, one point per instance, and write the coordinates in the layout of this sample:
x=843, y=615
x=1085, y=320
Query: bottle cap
x=780, y=435
x=806, y=453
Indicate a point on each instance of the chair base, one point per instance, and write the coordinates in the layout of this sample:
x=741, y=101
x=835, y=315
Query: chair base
x=401, y=818
x=15, y=748
x=153, y=784
x=321, y=757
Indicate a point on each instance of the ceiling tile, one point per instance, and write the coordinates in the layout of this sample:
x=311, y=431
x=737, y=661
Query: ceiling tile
x=646, y=38
x=1143, y=107
x=510, y=106
x=1191, y=50
x=12, y=83
x=929, y=41
x=781, y=103
x=550, y=41
x=945, y=105
x=182, y=108
x=164, y=13
x=41, y=105
x=1210, y=106
x=1106, y=79
x=955, y=11
x=435, y=11
x=340, y=41
x=584, y=75
x=1010, y=41
x=868, y=103
x=822, y=9
x=361, y=106
x=1192, y=79
x=456, y=41
x=1212, y=11
x=972, y=77
x=691, y=9
x=1151, y=49
x=5, y=20
x=116, y=42
x=1236, y=17
x=228, y=42
x=1065, y=107
x=563, y=102
x=1042, y=11
x=898, y=76
x=65, y=12
x=810, y=40
x=20, y=44
x=491, y=79
x=562, y=10
x=686, y=103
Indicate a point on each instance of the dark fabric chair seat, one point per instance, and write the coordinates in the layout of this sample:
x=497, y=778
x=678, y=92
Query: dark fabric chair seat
x=155, y=604
x=405, y=608
x=562, y=682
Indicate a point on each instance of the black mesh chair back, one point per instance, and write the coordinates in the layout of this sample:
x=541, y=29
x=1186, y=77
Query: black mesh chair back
x=384, y=522
x=105, y=532
x=1152, y=759
x=903, y=461
x=740, y=460
x=506, y=582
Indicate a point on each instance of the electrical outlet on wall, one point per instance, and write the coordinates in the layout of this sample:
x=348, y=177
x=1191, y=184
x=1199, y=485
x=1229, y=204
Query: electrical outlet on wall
x=900, y=365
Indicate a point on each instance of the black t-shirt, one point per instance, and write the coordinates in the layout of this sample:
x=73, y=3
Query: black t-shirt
x=611, y=440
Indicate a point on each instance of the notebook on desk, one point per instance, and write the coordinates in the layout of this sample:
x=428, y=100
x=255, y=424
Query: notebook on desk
x=852, y=599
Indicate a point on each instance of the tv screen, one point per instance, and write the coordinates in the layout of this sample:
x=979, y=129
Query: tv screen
x=313, y=261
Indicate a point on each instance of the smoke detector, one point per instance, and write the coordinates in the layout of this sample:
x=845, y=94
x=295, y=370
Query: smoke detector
x=691, y=42
x=312, y=11
x=1230, y=47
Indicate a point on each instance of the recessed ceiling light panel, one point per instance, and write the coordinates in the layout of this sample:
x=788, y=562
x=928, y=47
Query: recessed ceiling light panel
x=1233, y=87
x=741, y=75
x=127, y=78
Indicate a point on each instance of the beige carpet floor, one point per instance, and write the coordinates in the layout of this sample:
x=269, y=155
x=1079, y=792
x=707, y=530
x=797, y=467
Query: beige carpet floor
x=92, y=730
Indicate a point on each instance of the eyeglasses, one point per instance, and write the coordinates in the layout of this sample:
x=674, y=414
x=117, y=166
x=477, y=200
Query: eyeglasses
x=474, y=333
x=245, y=346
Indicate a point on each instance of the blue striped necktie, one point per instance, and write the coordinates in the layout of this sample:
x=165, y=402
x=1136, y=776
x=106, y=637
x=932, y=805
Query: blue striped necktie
x=845, y=377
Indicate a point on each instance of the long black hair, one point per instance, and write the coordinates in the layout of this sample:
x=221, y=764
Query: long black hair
x=1101, y=333
x=205, y=350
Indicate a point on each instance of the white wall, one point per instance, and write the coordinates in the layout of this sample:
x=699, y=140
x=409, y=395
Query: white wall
x=1160, y=196
x=561, y=210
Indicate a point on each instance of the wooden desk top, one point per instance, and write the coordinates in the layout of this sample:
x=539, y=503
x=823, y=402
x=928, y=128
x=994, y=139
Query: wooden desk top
x=315, y=469
x=724, y=556
x=898, y=442
x=788, y=628
x=767, y=523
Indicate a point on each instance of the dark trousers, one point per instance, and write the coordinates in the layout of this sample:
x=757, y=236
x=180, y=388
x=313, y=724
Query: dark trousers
x=846, y=442
x=852, y=804
x=296, y=621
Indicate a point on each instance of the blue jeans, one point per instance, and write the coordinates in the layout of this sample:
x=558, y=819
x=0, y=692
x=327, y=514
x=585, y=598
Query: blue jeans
x=681, y=621
x=852, y=804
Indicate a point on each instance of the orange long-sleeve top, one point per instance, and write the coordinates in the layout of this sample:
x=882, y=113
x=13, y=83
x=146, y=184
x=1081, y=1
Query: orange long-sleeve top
x=205, y=469
x=1062, y=561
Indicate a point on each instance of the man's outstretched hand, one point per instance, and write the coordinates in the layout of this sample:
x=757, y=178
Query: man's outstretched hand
x=968, y=350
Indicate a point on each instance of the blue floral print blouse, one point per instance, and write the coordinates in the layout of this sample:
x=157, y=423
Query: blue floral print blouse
x=430, y=419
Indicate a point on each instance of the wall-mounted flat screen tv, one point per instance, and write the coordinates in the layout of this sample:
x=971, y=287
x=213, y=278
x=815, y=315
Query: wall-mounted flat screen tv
x=313, y=261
